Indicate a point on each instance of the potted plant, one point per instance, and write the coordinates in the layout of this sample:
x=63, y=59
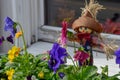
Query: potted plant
x=18, y=64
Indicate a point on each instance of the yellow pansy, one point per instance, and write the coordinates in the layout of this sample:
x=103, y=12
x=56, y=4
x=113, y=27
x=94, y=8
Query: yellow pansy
x=16, y=50
x=10, y=74
x=11, y=57
x=18, y=34
x=13, y=53
x=41, y=75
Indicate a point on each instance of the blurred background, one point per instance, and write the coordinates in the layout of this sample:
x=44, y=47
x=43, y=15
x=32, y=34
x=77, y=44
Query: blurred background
x=57, y=10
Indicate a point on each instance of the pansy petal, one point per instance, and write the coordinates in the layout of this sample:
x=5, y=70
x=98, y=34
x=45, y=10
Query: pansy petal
x=57, y=65
x=2, y=38
x=57, y=55
x=61, y=50
x=118, y=60
x=81, y=56
x=61, y=74
x=54, y=48
x=117, y=52
x=0, y=41
x=10, y=39
x=9, y=26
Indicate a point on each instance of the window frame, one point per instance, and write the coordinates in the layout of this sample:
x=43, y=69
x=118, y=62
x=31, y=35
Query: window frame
x=51, y=33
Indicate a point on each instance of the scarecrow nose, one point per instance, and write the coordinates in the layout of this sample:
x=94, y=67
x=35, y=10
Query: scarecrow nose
x=83, y=30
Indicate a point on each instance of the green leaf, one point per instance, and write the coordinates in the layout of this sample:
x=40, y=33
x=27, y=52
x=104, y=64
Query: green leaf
x=51, y=74
x=87, y=72
x=15, y=25
x=70, y=34
x=114, y=77
x=41, y=56
x=1, y=71
x=69, y=56
x=81, y=49
x=97, y=77
x=105, y=70
x=46, y=70
x=19, y=73
x=3, y=59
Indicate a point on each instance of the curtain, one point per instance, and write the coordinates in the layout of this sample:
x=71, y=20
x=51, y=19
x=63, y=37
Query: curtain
x=26, y=13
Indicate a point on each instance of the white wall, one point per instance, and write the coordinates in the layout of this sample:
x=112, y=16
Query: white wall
x=5, y=10
x=27, y=12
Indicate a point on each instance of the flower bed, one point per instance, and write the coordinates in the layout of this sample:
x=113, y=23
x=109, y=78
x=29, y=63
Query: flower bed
x=17, y=65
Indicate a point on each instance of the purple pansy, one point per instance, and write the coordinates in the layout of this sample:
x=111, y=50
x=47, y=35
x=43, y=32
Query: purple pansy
x=1, y=40
x=117, y=53
x=9, y=26
x=10, y=39
x=57, y=55
x=61, y=74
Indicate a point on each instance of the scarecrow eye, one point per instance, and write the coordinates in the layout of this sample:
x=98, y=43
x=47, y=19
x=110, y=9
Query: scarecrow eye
x=86, y=28
x=81, y=28
x=89, y=30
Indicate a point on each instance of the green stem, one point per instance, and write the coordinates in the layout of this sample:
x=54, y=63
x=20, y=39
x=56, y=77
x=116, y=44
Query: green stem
x=82, y=72
x=74, y=52
x=75, y=68
x=77, y=64
x=107, y=70
x=107, y=73
x=25, y=47
x=74, y=47
x=55, y=77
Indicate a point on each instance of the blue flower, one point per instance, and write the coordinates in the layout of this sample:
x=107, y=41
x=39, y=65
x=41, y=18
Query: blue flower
x=57, y=55
x=10, y=39
x=117, y=53
x=1, y=40
x=61, y=74
x=9, y=26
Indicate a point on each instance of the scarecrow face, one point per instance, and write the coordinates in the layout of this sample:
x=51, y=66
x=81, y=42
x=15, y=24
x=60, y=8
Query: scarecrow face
x=85, y=30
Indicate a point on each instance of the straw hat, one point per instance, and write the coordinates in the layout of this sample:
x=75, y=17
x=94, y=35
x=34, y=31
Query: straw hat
x=88, y=18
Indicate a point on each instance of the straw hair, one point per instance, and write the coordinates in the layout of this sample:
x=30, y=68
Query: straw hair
x=88, y=17
x=108, y=48
x=93, y=7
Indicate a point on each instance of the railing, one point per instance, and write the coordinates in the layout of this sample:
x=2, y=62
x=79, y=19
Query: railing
x=51, y=34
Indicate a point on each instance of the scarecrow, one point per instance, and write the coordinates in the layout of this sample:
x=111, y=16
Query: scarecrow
x=87, y=27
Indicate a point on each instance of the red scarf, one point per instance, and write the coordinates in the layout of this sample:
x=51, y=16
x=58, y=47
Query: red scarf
x=85, y=36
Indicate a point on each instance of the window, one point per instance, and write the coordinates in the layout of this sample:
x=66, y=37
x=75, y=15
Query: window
x=57, y=10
